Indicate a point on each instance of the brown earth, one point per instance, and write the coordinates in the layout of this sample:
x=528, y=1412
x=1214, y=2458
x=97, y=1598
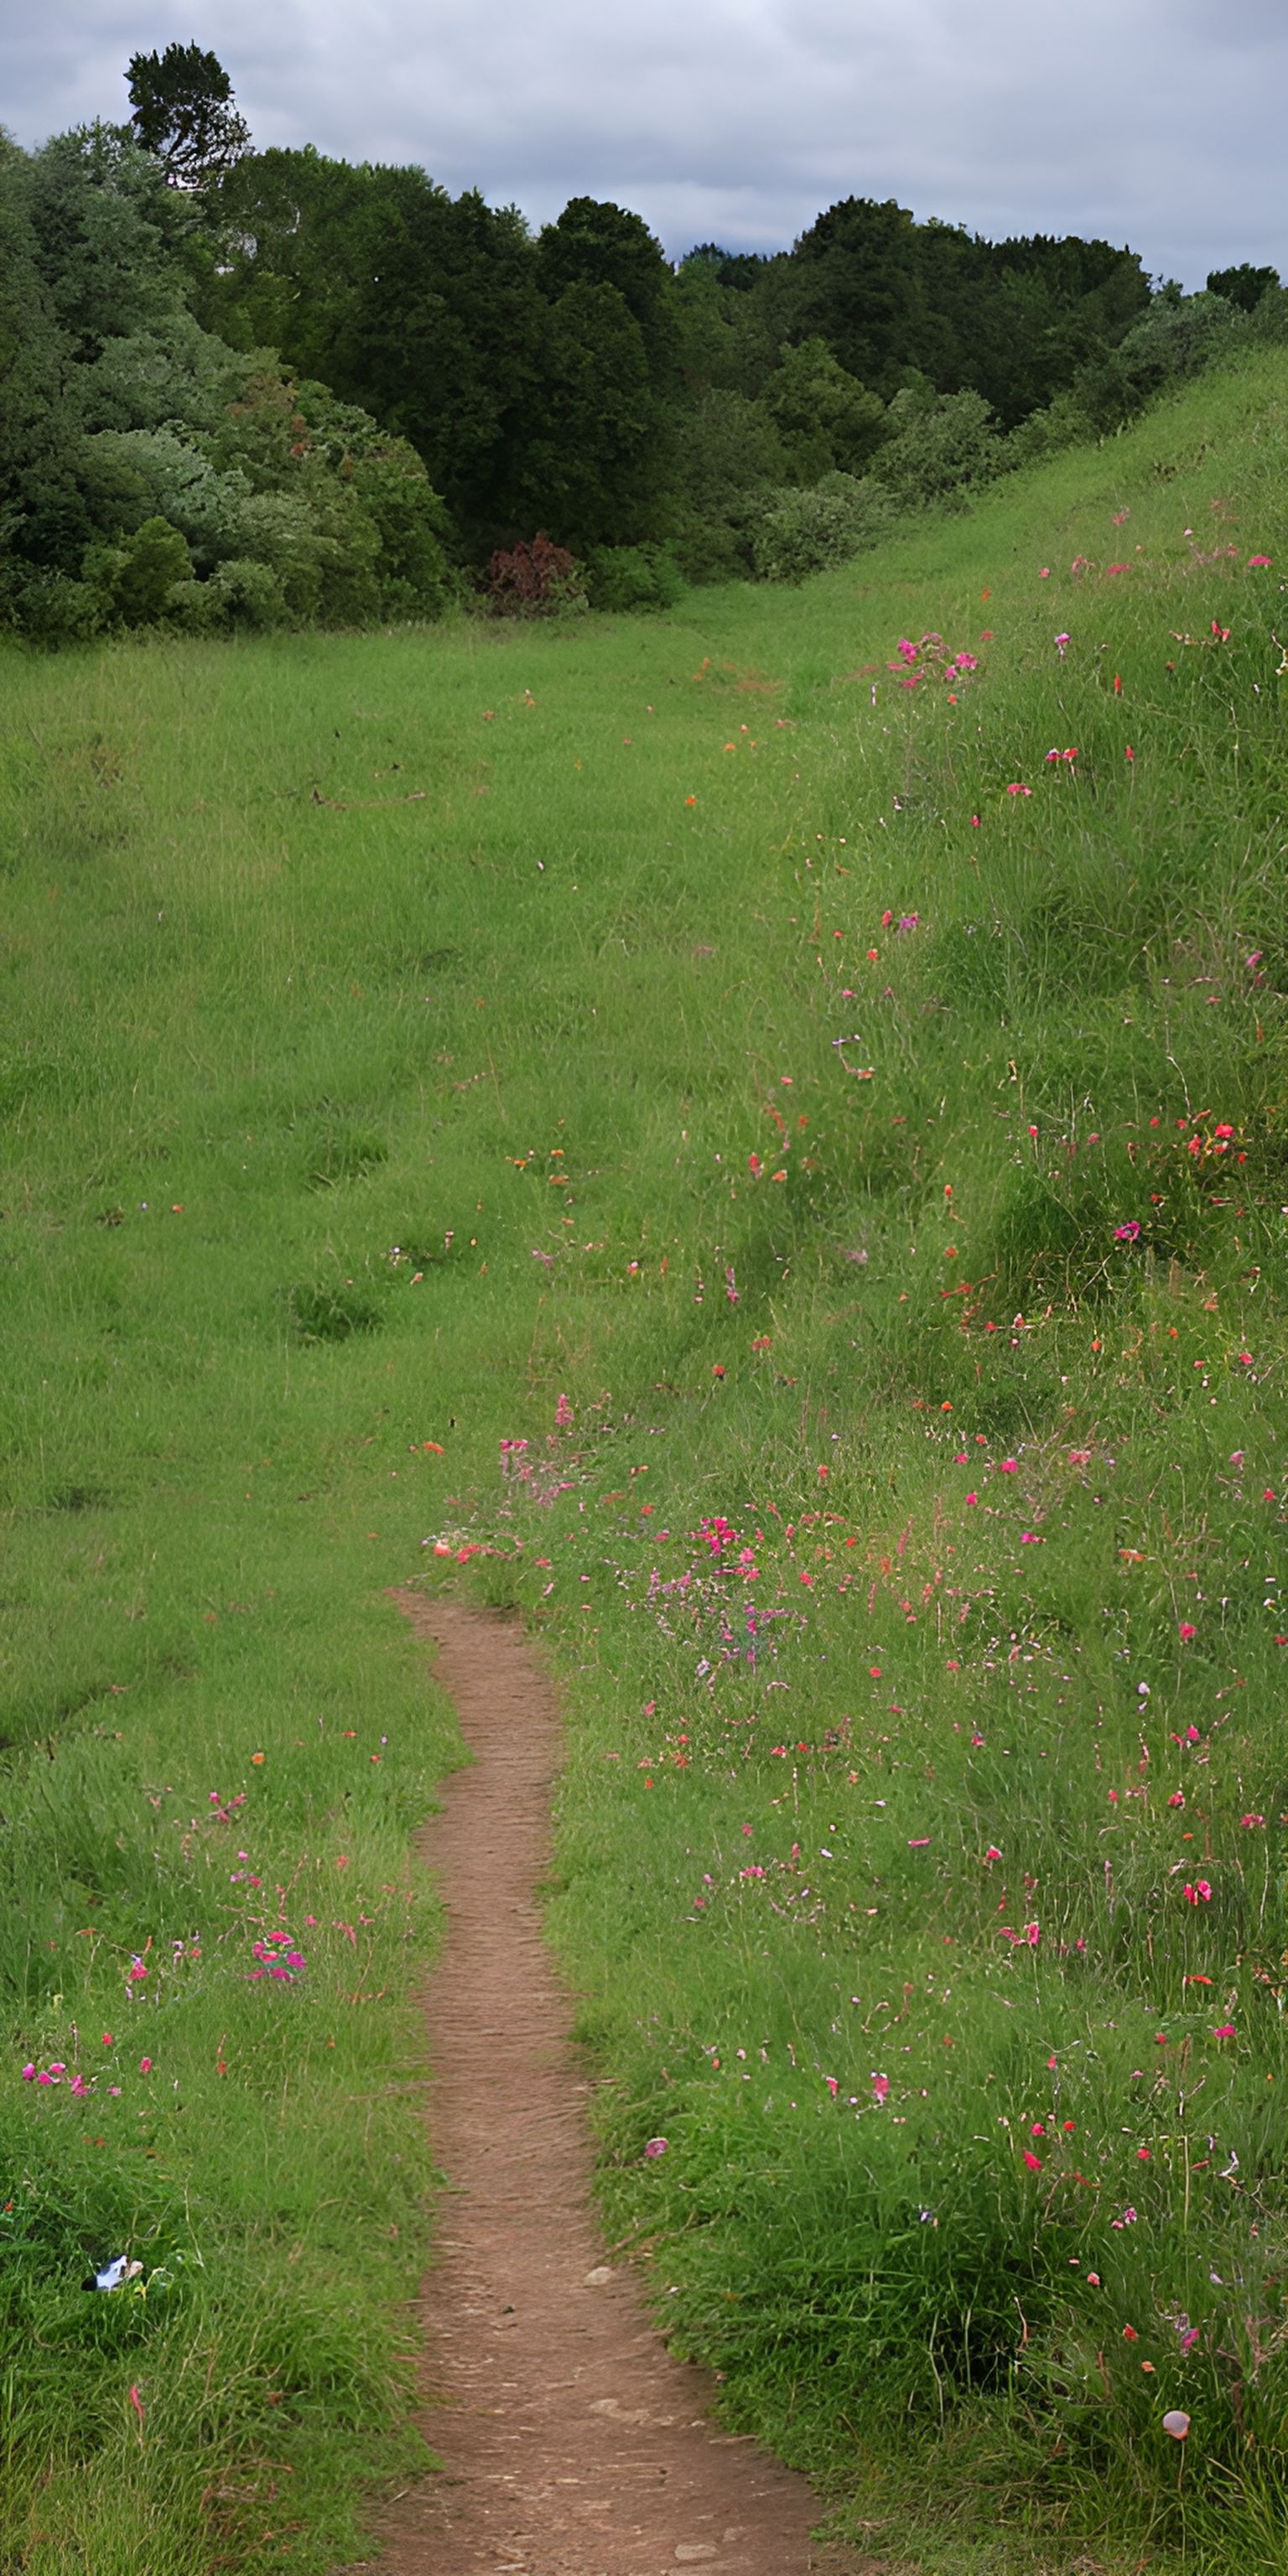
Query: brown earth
x=573, y=2444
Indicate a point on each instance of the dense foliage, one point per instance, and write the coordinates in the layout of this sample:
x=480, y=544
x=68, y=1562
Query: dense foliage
x=233, y=383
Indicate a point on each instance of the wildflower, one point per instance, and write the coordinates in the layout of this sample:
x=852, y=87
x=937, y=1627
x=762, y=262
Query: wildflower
x=1226, y=2031
x=881, y=2086
x=1127, y=1233
x=1142, y=2155
x=1255, y=560
x=1186, y=1631
x=1031, y=1538
x=1094, y=2279
x=1252, y=1820
x=1033, y=2162
x=1177, y=2423
x=1061, y=642
x=1010, y=1466
x=1128, y=753
x=656, y=2147
x=1130, y=2335
x=1045, y=573
x=1201, y=1894
x=1038, y=2129
x=1177, y=1798
x=145, y=2066
x=29, y=2073
x=972, y=1498
x=1018, y=790
x=992, y=1853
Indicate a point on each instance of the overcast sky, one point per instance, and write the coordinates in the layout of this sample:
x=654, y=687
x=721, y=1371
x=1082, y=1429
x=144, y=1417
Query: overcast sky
x=1156, y=122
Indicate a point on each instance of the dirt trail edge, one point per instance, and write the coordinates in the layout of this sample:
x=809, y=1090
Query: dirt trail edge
x=573, y=2444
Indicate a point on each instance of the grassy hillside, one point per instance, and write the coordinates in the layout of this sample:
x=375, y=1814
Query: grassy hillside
x=830, y=1109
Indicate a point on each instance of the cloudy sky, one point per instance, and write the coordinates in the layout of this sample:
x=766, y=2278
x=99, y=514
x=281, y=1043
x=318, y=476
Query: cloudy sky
x=1156, y=122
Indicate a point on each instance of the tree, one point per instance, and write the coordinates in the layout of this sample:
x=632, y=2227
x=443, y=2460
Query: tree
x=1244, y=285
x=184, y=113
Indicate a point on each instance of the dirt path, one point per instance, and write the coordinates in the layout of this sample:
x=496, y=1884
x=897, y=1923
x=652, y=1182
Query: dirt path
x=574, y=2445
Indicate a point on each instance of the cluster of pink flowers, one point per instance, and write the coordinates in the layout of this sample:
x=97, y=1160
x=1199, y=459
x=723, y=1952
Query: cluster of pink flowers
x=278, y=1958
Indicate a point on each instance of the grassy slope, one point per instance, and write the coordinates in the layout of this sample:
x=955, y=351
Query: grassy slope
x=528, y=1029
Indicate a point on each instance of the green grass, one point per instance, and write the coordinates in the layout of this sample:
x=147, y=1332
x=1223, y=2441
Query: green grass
x=337, y=1125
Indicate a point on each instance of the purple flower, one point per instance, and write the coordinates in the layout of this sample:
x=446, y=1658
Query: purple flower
x=657, y=2147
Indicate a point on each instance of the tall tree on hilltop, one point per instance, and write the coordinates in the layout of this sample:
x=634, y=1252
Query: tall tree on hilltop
x=184, y=112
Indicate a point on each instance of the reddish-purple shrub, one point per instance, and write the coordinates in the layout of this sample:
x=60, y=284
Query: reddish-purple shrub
x=533, y=581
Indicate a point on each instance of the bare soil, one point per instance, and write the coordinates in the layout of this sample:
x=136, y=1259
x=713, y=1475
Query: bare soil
x=573, y=2444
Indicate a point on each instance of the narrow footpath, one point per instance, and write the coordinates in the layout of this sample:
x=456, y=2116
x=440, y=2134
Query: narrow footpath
x=573, y=2444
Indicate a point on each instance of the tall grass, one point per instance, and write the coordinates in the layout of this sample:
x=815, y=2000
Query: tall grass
x=405, y=1034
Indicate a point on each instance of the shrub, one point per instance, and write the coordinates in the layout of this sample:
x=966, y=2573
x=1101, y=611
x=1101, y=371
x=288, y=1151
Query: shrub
x=626, y=577
x=807, y=531
x=938, y=446
x=539, y=580
x=136, y=578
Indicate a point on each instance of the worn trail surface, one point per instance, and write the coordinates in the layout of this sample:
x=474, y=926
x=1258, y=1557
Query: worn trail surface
x=573, y=2444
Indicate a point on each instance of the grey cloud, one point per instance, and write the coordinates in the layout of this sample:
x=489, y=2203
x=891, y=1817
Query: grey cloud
x=1154, y=121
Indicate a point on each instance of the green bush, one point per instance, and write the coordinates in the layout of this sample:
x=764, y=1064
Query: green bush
x=807, y=531
x=626, y=577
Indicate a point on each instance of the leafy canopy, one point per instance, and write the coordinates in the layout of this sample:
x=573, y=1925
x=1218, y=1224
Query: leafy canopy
x=184, y=113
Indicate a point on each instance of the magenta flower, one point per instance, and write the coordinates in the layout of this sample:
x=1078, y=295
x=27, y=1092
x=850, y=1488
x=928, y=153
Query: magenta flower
x=1127, y=1233
x=1255, y=560
x=1018, y=790
x=881, y=2086
x=145, y=2066
x=29, y=2074
x=656, y=2147
x=1187, y=1630
x=1033, y=2162
x=1226, y=2031
x=1009, y=1467
x=1252, y=1820
x=1199, y=1894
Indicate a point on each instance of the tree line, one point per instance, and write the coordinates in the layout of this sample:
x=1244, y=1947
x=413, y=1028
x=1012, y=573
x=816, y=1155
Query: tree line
x=243, y=387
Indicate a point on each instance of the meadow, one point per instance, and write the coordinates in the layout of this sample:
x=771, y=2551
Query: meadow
x=767, y=1124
